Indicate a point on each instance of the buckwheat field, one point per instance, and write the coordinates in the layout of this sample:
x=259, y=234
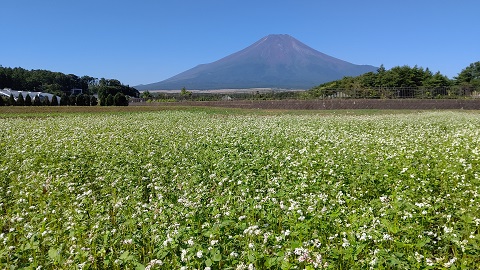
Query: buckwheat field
x=197, y=190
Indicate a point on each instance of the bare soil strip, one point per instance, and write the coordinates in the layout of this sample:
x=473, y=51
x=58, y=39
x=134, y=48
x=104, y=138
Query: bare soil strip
x=334, y=104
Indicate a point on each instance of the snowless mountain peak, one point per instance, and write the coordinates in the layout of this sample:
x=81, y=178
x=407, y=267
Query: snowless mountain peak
x=274, y=61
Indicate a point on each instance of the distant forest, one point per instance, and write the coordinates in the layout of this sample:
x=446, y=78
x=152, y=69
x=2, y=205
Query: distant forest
x=408, y=79
x=397, y=82
x=62, y=85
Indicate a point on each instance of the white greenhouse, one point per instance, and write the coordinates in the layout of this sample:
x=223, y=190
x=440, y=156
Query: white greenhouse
x=7, y=92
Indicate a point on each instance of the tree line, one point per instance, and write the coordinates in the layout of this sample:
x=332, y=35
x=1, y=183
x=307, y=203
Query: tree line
x=119, y=99
x=110, y=92
x=404, y=77
x=64, y=100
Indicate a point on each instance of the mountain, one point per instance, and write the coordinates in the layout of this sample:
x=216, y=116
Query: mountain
x=275, y=61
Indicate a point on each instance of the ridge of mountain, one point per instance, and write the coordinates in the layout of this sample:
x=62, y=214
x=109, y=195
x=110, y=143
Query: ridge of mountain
x=274, y=61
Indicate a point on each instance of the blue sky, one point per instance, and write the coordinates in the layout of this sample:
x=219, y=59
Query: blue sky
x=147, y=41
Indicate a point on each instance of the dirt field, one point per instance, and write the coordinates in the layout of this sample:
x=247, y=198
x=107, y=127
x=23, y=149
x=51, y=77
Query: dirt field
x=334, y=104
x=255, y=106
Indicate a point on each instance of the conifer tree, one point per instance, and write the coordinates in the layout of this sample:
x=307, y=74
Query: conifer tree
x=45, y=102
x=28, y=100
x=37, y=101
x=20, y=100
x=93, y=101
x=54, y=101
x=80, y=101
x=72, y=100
x=11, y=100
x=64, y=100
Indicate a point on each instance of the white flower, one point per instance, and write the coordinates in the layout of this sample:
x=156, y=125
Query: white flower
x=449, y=263
x=241, y=266
x=387, y=237
x=127, y=241
x=318, y=260
x=298, y=251
x=252, y=230
x=199, y=254
x=420, y=205
x=418, y=256
x=152, y=263
x=447, y=230
x=345, y=242
x=168, y=240
x=183, y=255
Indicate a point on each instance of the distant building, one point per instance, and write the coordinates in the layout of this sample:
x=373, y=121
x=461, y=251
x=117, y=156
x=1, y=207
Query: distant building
x=76, y=91
x=6, y=92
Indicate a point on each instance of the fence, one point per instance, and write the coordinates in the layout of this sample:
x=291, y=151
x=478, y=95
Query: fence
x=397, y=92
x=329, y=99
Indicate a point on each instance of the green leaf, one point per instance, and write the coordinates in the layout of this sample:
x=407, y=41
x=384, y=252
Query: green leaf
x=53, y=254
x=295, y=244
x=358, y=250
x=391, y=226
x=285, y=265
x=105, y=239
x=217, y=257
x=423, y=242
x=208, y=262
x=124, y=255
x=394, y=261
x=271, y=261
x=139, y=266
x=162, y=254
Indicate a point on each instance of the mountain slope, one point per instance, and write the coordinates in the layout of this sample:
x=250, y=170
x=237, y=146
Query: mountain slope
x=275, y=61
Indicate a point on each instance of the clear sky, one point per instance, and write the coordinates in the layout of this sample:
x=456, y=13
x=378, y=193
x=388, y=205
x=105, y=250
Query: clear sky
x=146, y=41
